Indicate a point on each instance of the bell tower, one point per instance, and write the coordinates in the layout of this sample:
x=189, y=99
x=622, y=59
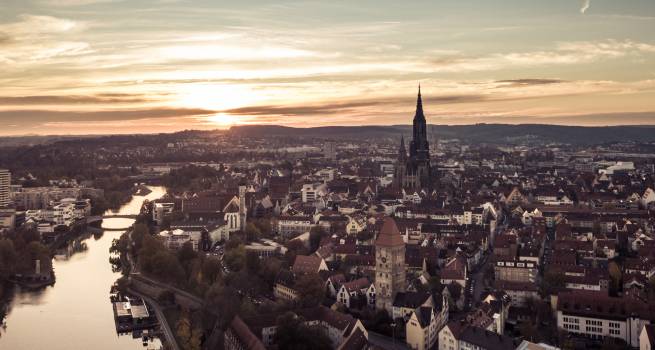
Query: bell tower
x=389, y=265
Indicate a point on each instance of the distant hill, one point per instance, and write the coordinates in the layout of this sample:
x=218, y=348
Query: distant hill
x=486, y=133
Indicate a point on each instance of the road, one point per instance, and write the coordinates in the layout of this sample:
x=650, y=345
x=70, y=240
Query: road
x=475, y=286
x=165, y=327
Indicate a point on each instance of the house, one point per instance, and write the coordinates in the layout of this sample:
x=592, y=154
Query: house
x=239, y=337
x=455, y=271
x=285, y=287
x=526, y=345
x=338, y=327
x=455, y=292
x=356, y=224
x=422, y=328
x=350, y=291
x=647, y=337
x=407, y=302
x=421, y=332
x=307, y=264
x=519, y=292
x=459, y=335
x=370, y=296
x=334, y=283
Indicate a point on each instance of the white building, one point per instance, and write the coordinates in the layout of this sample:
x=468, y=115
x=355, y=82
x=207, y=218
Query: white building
x=294, y=225
x=596, y=315
x=5, y=182
x=422, y=328
x=160, y=210
x=175, y=239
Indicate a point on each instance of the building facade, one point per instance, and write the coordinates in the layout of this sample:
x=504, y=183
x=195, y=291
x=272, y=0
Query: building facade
x=595, y=315
x=5, y=182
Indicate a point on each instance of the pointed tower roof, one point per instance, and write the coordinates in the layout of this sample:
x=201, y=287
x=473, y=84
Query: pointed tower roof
x=419, y=105
x=402, y=153
x=389, y=234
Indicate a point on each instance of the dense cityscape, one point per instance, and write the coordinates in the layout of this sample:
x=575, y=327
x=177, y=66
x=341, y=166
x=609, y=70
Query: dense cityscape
x=373, y=238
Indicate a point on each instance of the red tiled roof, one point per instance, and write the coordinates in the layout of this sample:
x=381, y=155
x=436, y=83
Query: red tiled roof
x=246, y=337
x=389, y=234
x=306, y=264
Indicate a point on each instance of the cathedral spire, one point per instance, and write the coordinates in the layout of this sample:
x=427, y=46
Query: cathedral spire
x=402, y=153
x=419, y=105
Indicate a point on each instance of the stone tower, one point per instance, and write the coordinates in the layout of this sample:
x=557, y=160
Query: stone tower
x=242, y=206
x=389, y=265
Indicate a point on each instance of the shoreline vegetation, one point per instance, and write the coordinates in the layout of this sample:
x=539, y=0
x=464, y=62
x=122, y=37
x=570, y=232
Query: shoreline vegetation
x=20, y=249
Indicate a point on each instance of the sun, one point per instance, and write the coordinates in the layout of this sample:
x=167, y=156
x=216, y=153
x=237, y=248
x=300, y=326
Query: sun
x=224, y=120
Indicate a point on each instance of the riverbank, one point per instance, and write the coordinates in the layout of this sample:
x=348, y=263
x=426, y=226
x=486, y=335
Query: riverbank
x=79, y=299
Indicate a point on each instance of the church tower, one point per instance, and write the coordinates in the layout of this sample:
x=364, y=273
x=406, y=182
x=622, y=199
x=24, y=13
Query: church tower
x=414, y=172
x=389, y=265
x=419, y=147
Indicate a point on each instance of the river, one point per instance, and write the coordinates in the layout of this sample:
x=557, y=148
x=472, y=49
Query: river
x=74, y=313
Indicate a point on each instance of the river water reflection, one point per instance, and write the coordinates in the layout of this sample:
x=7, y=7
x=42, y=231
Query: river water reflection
x=76, y=312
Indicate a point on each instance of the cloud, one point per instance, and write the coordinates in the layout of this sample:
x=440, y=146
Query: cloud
x=31, y=25
x=72, y=99
x=564, y=53
x=328, y=108
x=38, y=117
x=35, y=38
x=529, y=82
x=65, y=3
x=595, y=119
x=585, y=6
x=4, y=38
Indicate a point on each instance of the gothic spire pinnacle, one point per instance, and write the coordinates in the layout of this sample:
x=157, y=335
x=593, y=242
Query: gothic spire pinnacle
x=419, y=104
x=402, y=153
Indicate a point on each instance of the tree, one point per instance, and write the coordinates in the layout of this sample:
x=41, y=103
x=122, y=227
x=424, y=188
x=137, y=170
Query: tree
x=311, y=289
x=264, y=226
x=270, y=269
x=166, y=297
x=293, y=334
x=552, y=282
x=186, y=256
x=8, y=257
x=188, y=337
x=253, y=263
x=315, y=235
x=235, y=259
x=212, y=270
x=222, y=301
x=252, y=232
x=615, y=277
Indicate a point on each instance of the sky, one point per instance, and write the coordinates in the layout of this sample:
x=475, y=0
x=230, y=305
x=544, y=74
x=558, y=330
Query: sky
x=138, y=66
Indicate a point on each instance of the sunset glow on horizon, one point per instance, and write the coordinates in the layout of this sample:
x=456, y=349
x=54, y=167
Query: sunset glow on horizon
x=100, y=66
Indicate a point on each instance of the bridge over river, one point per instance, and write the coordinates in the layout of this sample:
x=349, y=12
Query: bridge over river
x=95, y=219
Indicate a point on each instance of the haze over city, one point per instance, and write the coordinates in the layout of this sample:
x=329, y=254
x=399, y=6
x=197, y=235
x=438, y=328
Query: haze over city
x=112, y=66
